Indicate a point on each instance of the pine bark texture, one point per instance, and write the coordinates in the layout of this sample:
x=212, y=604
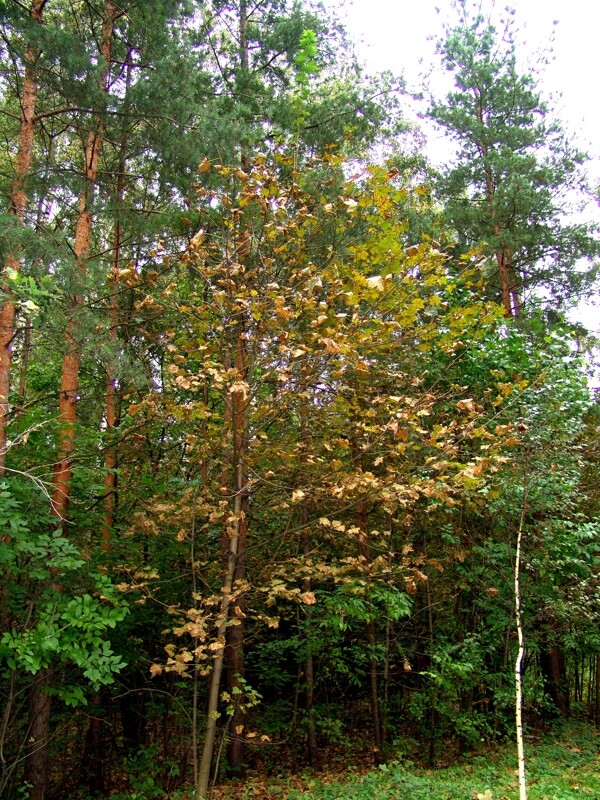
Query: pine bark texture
x=111, y=414
x=68, y=396
x=17, y=208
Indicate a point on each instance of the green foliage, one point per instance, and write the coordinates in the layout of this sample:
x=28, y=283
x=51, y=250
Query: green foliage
x=561, y=767
x=71, y=629
x=516, y=171
x=292, y=354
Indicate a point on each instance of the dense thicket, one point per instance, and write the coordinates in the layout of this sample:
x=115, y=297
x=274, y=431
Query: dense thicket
x=266, y=444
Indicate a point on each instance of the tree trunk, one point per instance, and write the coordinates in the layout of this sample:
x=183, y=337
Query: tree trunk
x=71, y=361
x=17, y=208
x=234, y=480
x=309, y=666
x=94, y=749
x=508, y=289
x=132, y=709
x=110, y=454
x=239, y=401
x=215, y=679
x=38, y=736
x=519, y=660
x=235, y=634
x=552, y=666
x=361, y=516
x=505, y=283
x=39, y=716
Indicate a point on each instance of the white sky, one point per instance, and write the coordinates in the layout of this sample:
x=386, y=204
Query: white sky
x=400, y=35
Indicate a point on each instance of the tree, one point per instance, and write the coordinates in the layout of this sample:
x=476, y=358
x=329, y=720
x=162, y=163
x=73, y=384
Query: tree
x=516, y=171
x=290, y=412
x=81, y=248
x=17, y=209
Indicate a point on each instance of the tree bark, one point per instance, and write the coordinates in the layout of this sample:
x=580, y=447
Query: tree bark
x=235, y=633
x=234, y=480
x=38, y=736
x=508, y=288
x=552, y=665
x=17, y=208
x=39, y=713
x=361, y=516
x=72, y=358
x=217, y=672
x=519, y=660
x=309, y=665
x=110, y=453
x=94, y=749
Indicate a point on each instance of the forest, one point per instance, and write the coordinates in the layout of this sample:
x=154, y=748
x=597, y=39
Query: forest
x=298, y=444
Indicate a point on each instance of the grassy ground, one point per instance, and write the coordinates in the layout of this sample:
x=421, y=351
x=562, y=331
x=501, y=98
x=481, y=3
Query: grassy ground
x=561, y=766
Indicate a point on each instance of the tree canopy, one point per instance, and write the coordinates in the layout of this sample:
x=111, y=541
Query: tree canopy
x=278, y=421
x=516, y=172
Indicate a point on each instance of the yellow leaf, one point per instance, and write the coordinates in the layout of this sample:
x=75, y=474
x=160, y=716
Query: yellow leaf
x=376, y=282
x=330, y=345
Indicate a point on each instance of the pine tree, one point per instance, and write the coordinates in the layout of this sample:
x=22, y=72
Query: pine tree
x=17, y=209
x=516, y=171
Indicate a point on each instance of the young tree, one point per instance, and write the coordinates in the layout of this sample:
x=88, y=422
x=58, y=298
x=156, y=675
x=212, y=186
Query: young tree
x=516, y=171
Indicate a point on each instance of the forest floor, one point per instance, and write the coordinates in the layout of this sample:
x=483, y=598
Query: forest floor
x=562, y=765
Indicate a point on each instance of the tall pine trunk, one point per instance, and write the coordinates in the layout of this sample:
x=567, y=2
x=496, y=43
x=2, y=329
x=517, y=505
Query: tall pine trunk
x=111, y=413
x=17, y=208
x=69, y=386
x=39, y=710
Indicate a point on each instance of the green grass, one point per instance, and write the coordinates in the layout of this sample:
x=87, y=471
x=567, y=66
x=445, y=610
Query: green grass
x=565, y=766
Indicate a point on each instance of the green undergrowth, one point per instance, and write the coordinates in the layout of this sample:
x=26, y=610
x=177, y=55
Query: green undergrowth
x=562, y=765
x=565, y=766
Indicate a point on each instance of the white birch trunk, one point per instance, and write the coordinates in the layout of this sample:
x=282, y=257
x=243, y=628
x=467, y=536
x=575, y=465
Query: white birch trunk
x=519, y=661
